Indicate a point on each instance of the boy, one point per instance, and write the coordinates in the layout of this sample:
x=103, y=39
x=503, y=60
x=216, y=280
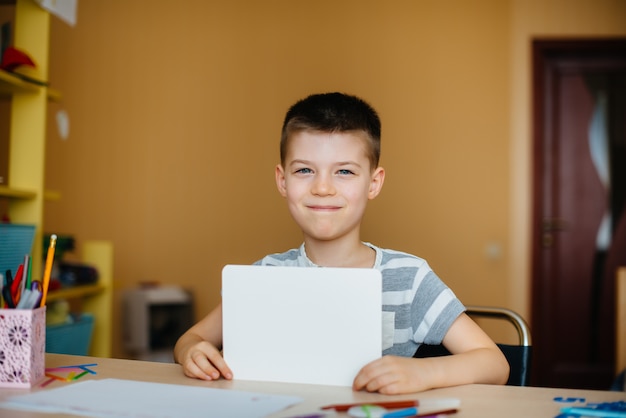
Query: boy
x=328, y=171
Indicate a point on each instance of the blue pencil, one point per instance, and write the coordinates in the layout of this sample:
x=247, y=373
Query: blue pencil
x=593, y=412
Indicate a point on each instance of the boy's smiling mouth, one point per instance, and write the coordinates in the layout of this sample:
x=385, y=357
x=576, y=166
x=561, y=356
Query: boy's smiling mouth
x=323, y=208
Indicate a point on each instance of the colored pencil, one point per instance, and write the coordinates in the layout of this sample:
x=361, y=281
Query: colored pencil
x=48, y=270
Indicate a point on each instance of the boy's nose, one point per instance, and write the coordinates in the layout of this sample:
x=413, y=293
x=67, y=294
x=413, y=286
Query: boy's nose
x=322, y=186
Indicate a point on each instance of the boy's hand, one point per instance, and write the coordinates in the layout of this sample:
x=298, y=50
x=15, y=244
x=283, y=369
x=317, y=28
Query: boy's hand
x=202, y=360
x=475, y=359
x=391, y=375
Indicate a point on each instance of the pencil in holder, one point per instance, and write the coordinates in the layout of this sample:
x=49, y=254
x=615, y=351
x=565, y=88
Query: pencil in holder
x=22, y=347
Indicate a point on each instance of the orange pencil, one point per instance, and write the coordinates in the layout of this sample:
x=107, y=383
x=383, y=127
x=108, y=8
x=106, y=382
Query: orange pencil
x=48, y=270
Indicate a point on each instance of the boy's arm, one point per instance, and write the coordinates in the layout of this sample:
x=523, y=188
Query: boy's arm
x=475, y=359
x=198, y=349
x=476, y=352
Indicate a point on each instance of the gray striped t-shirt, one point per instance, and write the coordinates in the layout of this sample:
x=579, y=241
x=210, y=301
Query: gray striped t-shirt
x=417, y=306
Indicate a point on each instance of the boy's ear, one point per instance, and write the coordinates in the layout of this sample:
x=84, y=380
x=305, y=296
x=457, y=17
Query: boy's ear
x=376, y=182
x=280, y=180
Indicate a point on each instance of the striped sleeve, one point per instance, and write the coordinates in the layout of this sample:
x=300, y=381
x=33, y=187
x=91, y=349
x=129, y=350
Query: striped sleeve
x=424, y=308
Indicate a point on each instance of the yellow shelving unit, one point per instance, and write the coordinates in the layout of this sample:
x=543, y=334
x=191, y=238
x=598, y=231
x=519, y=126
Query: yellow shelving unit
x=98, y=299
x=28, y=125
x=25, y=190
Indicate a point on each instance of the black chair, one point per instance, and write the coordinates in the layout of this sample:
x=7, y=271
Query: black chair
x=518, y=356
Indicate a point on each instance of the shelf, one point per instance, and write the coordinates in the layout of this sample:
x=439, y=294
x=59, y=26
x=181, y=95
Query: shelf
x=11, y=84
x=6, y=191
x=75, y=292
x=50, y=195
x=54, y=95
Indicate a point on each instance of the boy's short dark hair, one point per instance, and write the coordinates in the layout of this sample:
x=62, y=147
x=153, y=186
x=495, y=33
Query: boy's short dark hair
x=333, y=112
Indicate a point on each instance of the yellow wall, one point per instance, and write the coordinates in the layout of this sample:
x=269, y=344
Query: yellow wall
x=176, y=108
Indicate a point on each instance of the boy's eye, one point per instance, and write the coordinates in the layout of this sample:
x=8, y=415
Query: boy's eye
x=304, y=170
x=345, y=172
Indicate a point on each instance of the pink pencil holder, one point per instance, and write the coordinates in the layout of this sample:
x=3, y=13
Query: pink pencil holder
x=22, y=347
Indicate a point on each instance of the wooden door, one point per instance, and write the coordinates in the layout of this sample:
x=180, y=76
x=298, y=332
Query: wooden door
x=579, y=191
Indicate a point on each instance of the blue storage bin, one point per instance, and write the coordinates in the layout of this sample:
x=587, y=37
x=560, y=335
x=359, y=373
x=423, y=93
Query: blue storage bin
x=71, y=338
x=16, y=240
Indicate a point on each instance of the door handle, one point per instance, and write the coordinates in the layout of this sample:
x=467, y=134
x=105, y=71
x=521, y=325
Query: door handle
x=549, y=227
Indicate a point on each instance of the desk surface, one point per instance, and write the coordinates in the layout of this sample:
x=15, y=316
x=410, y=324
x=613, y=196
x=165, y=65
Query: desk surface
x=476, y=400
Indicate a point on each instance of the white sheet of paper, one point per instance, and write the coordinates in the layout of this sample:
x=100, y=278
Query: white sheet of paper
x=301, y=325
x=63, y=9
x=109, y=398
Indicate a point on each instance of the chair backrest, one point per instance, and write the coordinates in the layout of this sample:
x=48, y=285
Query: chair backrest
x=518, y=356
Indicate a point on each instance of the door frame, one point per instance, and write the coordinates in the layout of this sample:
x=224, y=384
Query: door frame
x=546, y=53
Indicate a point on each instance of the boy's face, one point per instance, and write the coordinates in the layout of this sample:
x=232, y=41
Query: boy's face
x=327, y=181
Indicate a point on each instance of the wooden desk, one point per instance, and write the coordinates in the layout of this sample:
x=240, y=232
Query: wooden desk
x=482, y=401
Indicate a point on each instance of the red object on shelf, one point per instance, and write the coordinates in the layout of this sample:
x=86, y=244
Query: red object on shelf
x=13, y=58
